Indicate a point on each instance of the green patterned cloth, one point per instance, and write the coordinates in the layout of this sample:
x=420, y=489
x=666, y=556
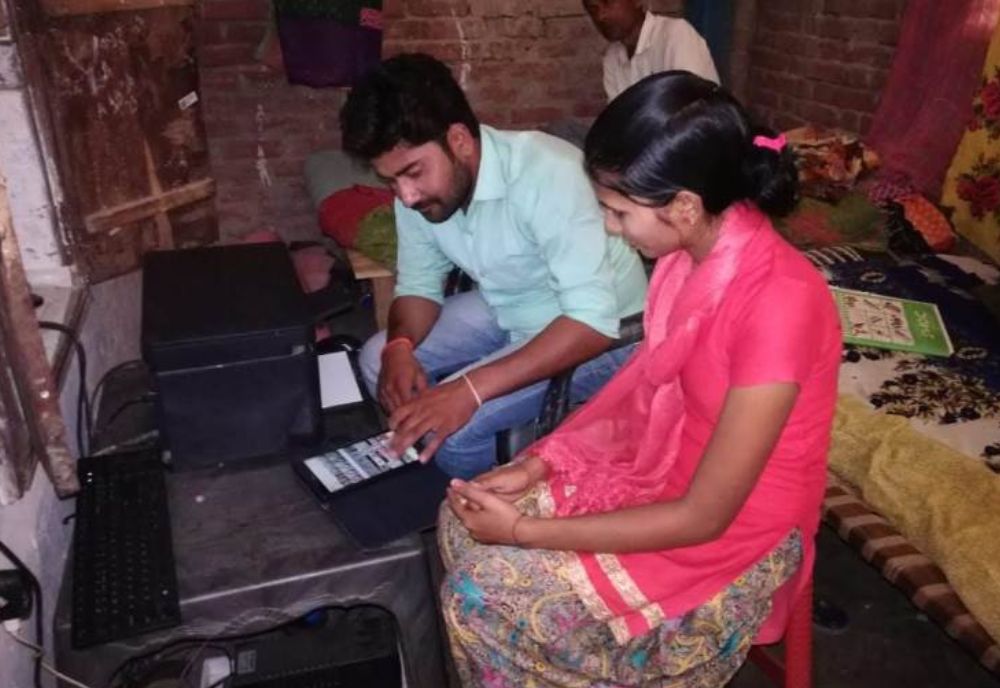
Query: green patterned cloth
x=377, y=236
x=853, y=221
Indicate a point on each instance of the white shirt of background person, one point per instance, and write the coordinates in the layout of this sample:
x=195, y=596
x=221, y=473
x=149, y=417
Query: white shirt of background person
x=665, y=43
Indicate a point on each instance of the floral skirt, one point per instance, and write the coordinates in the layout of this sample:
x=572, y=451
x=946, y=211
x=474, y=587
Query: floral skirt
x=515, y=621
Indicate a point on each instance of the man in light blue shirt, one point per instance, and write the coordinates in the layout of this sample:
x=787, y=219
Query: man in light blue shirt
x=516, y=212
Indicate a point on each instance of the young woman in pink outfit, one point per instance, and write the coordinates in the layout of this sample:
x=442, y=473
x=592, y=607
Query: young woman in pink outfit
x=667, y=523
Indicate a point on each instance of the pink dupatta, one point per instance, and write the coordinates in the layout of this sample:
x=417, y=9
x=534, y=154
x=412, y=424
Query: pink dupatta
x=618, y=450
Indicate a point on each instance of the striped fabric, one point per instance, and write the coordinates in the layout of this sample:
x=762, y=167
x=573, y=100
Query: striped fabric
x=910, y=570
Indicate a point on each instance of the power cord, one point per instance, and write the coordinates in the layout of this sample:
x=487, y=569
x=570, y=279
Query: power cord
x=40, y=660
x=126, y=670
x=147, y=398
x=95, y=397
x=134, y=669
x=36, y=591
x=130, y=444
x=85, y=418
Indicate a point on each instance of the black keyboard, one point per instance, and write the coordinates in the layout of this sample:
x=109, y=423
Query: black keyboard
x=124, y=582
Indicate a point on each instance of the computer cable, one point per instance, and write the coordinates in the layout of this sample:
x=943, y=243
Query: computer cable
x=146, y=666
x=85, y=420
x=146, y=398
x=220, y=682
x=123, y=674
x=130, y=444
x=40, y=660
x=95, y=397
x=36, y=591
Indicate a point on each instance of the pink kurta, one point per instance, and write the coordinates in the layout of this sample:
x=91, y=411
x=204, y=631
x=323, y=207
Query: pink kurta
x=773, y=322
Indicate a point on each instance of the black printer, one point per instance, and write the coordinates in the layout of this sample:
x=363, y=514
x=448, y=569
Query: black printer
x=228, y=337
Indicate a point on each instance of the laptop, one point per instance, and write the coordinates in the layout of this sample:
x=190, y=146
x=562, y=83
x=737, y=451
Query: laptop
x=375, y=497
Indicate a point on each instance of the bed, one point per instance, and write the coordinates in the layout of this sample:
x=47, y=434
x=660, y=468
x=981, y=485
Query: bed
x=915, y=458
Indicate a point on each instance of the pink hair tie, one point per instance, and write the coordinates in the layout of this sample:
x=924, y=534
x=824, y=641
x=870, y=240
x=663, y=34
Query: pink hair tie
x=777, y=144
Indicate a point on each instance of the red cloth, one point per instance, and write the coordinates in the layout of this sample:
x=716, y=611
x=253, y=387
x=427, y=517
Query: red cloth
x=929, y=221
x=755, y=311
x=927, y=100
x=341, y=211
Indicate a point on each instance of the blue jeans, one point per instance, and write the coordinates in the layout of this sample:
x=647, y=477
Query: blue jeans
x=466, y=335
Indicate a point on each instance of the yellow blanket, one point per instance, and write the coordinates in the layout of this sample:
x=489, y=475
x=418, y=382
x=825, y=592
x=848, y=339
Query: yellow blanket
x=972, y=185
x=947, y=505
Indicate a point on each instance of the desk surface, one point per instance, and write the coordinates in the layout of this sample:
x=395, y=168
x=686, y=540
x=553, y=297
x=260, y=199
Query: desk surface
x=253, y=528
x=253, y=549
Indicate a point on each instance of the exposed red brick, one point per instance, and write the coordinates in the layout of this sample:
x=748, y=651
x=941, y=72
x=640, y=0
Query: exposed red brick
x=225, y=55
x=393, y=8
x=588, y=110
x=437, y=8
x=790, y=22
x=535, y=115
x=823, y=61
x=524, y=63
x=235, y=9
x=879, y=9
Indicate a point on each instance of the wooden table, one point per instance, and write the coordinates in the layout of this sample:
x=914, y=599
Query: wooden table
x=383, y=281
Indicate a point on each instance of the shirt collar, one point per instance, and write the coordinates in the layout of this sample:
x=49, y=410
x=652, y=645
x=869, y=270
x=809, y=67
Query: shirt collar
x=645, y=34
x=490, y=184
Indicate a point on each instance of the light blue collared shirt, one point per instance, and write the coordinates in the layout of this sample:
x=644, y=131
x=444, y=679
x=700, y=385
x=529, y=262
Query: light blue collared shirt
x=532, y=238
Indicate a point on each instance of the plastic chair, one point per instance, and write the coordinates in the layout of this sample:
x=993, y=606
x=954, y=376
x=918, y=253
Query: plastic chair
x=794, y=670
x=556, y=403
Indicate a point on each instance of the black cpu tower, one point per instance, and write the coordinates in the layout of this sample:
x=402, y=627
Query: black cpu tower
x=228, y=338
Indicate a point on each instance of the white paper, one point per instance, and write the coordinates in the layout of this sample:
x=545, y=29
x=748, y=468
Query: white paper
x=337, y=385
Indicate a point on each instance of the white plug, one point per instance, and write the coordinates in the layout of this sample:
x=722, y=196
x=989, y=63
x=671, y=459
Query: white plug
x=12, y=625
x=213, y=670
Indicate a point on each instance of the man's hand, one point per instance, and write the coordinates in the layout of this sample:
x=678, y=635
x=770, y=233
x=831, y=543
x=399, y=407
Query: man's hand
x=512, y=481
x=439, y=410
x=400, y=379
x=488, y=518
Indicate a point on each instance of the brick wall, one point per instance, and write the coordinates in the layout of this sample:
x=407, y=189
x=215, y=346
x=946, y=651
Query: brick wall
x=822, y=61
x=522, y=62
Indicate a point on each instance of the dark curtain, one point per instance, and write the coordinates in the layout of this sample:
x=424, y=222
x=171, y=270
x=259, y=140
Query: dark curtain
x=713, y=19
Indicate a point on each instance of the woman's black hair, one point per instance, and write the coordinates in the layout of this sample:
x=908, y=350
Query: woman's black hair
x=411, y=98
x=675, y=131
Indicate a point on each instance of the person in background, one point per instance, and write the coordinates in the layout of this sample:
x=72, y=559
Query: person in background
x=644, y=541
x=516, y=212
x=643, y=43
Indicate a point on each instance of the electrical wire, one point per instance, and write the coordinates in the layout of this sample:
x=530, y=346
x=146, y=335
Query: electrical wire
x=220, y=681
x=85, y=418
x=147, y=398
x=201, y=642
x=151, y=661
x=40, y=659
x=198, y=653
x=36, y=590
x=130, y=444
x=95, y=396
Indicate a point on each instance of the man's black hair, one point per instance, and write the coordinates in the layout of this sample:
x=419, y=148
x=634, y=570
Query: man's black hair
x=411, y=98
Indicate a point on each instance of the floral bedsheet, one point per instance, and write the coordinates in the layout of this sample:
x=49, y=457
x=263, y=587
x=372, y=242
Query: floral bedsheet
x=955, y=400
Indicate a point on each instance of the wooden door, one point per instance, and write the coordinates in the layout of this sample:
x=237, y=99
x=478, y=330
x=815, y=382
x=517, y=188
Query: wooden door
x=118, y=81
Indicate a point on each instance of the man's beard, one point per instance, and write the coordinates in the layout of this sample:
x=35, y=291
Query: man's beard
x=437, y=210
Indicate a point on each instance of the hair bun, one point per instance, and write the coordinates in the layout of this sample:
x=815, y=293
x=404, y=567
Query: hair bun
x=771, y=173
